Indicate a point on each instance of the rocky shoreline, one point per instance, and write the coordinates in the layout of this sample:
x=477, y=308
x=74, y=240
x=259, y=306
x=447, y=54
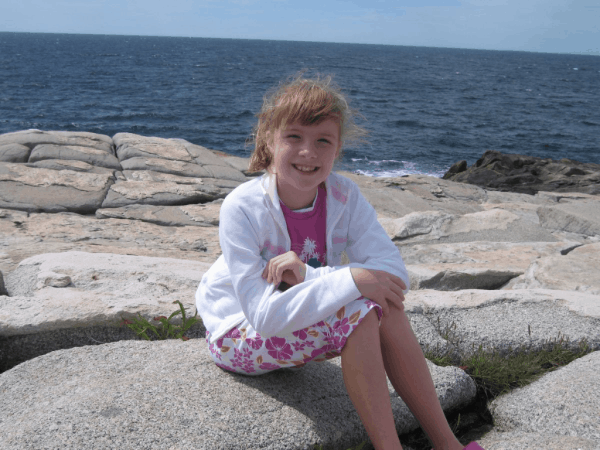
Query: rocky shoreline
x=97, y=228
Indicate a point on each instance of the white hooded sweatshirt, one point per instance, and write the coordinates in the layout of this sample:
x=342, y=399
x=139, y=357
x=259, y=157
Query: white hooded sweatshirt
x=252, y=230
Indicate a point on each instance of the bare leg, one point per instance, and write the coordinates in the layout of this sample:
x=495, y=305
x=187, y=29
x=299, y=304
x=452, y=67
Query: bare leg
x=407, y=369
x=364, y=375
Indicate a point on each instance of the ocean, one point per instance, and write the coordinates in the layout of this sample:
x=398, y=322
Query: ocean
x=425, y=108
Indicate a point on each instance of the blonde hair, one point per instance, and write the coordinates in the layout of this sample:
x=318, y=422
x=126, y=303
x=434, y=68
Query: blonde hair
x=304, y=101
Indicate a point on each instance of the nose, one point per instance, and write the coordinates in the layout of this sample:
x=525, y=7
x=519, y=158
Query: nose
x=309, y=150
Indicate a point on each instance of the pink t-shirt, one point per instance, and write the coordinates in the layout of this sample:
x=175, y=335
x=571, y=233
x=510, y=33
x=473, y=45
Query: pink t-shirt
x=306, y=228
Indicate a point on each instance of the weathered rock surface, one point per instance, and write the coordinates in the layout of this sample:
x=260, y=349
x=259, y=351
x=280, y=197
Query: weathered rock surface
x=26, y=235
x=474, y=265
x=32, y=138
x=111, y=396
x=576, y=271
x=565, y=402
x=203, y=215
x=93, y=291
x=535, y=441
x=89, y=155
x=581, y=216
x=509, y=320
x=32, y=189
x=124, y=193
x=528, y=174
x=15, y=153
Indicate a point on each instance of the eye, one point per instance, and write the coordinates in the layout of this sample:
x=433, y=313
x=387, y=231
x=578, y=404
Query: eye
x=326, y=141
x=293, y=136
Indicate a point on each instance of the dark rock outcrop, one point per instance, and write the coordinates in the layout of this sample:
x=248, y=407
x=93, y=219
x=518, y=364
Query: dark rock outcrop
x=527, y=174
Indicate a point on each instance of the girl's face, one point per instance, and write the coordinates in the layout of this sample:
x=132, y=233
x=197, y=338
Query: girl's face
x=303, y=156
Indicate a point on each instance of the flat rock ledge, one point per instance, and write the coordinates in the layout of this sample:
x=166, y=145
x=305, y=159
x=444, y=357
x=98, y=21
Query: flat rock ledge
x=170, y=394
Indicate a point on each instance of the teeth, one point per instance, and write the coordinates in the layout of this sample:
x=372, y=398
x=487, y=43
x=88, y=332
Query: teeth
x=305, y=168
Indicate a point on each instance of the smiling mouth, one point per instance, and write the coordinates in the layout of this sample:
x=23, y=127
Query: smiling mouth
x=305, y=169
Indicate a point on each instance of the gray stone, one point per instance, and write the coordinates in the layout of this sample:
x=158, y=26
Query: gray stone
x=14, y=153
x=204, y=156
x=32, y=189
x=581, y=217
x=77, y=166
x=31, y=138
x=3, y=290
x=77, y=289
x=170, y=394
x=575, y=271
x=204, y=215
x=124, y=193
x=150, y=175
x=512, y=440
x=496, y=225
x=565, y=402
x=474, y=265
x=89, y=155
x=510, y=320
x=26, y=235
x=182, y=168
x=132, y=146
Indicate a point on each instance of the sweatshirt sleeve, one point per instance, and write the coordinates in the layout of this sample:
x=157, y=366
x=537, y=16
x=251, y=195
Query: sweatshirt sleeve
x=268, y=310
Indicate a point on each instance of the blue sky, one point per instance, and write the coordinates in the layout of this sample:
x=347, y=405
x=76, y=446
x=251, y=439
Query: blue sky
x=560, y=26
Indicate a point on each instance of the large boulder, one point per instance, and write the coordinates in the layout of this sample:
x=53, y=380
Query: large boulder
x=170, y=394
x=34, y=189
x=53, y=294
x=529, y=174
x=509, y=320
x=15, y=153
x=203, y=215
x=565, y=402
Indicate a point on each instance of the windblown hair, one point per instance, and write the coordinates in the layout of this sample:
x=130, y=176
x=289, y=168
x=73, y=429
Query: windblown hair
x=304, y=101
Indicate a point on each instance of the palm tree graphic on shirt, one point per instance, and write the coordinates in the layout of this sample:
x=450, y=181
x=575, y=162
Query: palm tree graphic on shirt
x=309, y=253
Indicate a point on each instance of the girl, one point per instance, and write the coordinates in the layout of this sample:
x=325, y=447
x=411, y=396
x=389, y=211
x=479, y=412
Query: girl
x=279, y=296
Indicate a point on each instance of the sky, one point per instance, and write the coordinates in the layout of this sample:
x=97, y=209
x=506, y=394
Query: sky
x=555, y=26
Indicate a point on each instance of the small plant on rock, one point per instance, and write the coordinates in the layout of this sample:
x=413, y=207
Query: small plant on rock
x=164, y=329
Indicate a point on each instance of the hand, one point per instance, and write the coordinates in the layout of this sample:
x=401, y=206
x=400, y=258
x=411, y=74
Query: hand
x=287, y=267
x=380, y=287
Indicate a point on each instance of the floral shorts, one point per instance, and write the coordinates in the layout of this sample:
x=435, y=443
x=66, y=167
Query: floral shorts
x=243, y=350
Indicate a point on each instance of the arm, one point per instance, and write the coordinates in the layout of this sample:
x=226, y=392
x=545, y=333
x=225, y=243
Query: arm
x=270, y=311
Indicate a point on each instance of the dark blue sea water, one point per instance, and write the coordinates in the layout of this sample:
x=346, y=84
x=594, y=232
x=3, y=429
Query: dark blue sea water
x=426, y=108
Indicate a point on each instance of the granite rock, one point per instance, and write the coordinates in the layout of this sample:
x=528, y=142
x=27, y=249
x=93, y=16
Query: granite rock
x=93, y=291
x=527, y=319
x=124, y=193
x=474, y=265
x=512, y=440
x=110, y=395
x=203, y=215
x=565, y=402
x=575, y=271
x=89, y=155
x=65, y=164
x=32, y=138
x=26, y=235
x=14, y=153
x=34, y=189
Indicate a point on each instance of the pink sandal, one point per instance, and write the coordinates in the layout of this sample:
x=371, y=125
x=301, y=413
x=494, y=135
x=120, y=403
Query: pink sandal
x=473, y=446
